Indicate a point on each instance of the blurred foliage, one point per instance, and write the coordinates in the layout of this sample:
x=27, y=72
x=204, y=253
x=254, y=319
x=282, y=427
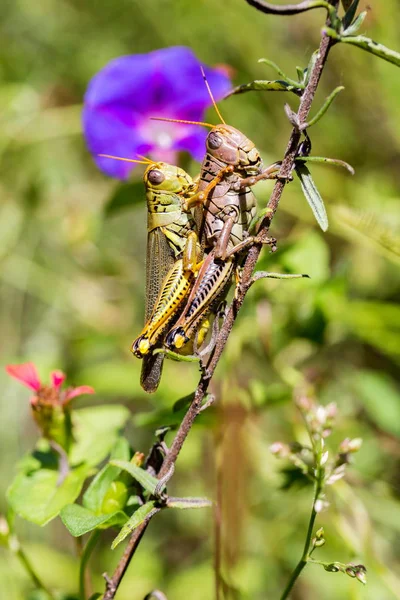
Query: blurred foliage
x=72, y=253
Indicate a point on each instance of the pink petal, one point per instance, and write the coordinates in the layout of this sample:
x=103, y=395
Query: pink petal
x=26, y=374
x=57, y=378
x=78, y=391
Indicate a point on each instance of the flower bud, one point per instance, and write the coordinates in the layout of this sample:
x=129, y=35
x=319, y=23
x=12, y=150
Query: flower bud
x=324, y=458
x=4, y=531
x=115, y=498
x=305, y=403
x=138, y=459
x=279, y=449
x=319, y=543
x=361, y=573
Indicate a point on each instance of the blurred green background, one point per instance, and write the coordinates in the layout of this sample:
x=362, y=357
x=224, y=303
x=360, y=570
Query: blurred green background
x=72, y=289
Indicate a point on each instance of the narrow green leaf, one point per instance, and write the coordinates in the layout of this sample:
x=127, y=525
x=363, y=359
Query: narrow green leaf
x=184, y=503
x=366, y=44
x=324, y=107
x=79, y=520
x=162, y=431
x=351, y=10
x=147, y=481
x=300, y=75
x=142, y=514
x=94, y=495
x=274, y=66
x=312, y=195
x=328, y=161
x=310, y=67
x=175, y=356
x=260, y=85
x=352, y=29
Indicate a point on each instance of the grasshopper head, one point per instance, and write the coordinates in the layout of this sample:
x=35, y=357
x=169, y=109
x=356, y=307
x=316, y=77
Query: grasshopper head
x=231, y=146
x=167, y=178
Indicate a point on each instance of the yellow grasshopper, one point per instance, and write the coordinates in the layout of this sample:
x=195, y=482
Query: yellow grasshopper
x=173, y=253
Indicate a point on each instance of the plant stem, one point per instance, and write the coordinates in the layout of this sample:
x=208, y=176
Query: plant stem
x=112, y=583
x=30, y=570
x=86, y=554
x=319, y=478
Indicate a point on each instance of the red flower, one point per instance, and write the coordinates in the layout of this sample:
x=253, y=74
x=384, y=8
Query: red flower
x=50, y=404
x=50, y=394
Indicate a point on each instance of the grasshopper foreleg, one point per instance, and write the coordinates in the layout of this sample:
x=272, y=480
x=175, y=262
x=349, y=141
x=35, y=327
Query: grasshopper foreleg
x=201, y=197
x=271, y=172
x=250, y=241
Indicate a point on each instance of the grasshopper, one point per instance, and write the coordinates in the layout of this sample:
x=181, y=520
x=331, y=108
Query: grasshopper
x=232, y=164
x=172, y=258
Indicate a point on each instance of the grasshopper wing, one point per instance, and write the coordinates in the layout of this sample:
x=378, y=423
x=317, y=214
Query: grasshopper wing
x=158, y=262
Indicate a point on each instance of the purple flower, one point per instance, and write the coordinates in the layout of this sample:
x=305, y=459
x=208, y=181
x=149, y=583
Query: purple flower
x=123, y=96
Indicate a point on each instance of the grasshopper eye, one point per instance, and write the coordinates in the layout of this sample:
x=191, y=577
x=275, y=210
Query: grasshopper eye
x=214, y=141
x=156, y=177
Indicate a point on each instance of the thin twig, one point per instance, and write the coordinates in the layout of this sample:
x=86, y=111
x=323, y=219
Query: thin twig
x=247, y=273
x=306, y=551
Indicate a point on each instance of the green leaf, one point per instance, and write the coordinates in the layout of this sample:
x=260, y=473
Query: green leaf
x=125, y=196
x=142, y=514
x=312, y=195
x=176, y=356
x=79, y=520
x=366, y=44
x=260, y=85
x=336, y=162
x=351, y=9
x=96, y=430
x=274, y=66
x=184, y=503
x=310, y=66
x=38, y=498
x=300, y=74
x=147, y=481
x=324, y=107
x=94, y=495
x=380, y=398
x=352, y=29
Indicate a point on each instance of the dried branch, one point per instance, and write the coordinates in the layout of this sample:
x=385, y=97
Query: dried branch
x=247, y=274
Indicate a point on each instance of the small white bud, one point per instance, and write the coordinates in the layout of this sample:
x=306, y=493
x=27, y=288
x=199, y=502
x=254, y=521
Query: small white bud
x=324, y=458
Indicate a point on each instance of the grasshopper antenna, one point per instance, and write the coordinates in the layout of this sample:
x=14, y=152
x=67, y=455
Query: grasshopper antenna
x=211, y=96
x=182, y=121
x=145, y=161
